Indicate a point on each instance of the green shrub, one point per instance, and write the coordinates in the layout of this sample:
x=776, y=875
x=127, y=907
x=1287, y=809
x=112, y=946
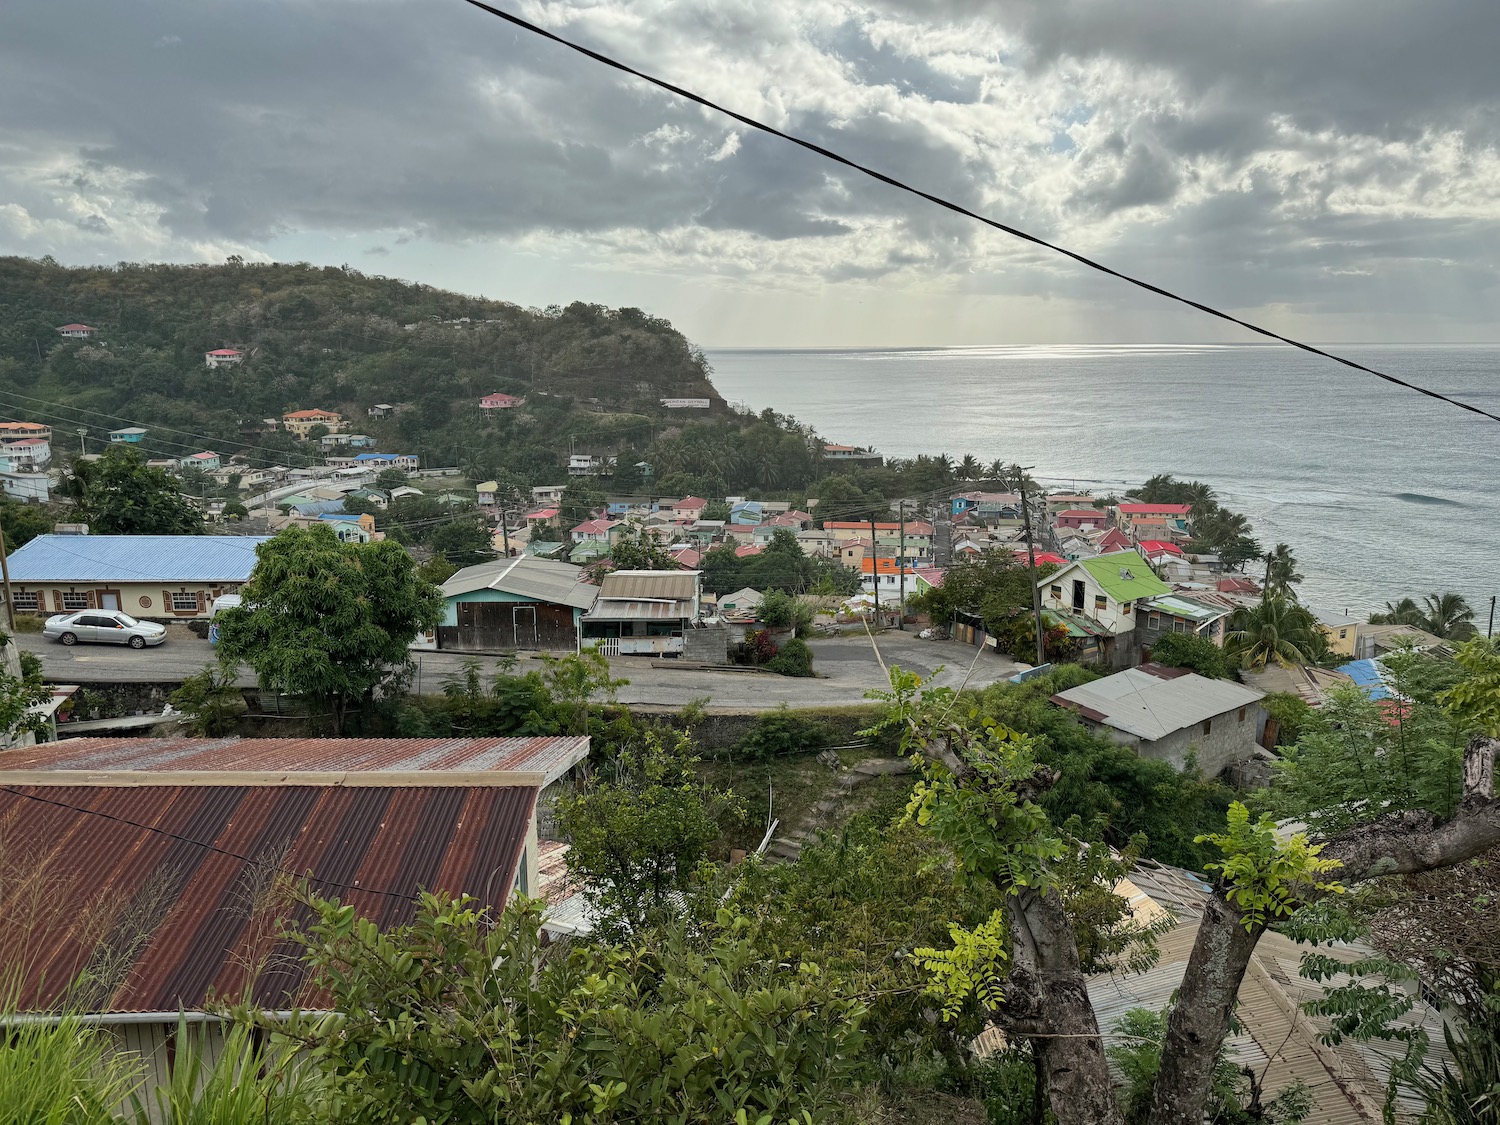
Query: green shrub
x=1201, y=655
x=794, y=659
x=782, y=733
x=29, y=623
x=778, y=610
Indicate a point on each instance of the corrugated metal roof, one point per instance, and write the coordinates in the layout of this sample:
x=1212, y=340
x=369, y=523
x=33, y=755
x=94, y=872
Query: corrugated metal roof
x=159, y=893
x=526, y=576
x=1124, y=576
x=672, y=585
x=1179, y=606
x=136, y=558
x=552, y=756
x=624, y=610
x=1149, y=707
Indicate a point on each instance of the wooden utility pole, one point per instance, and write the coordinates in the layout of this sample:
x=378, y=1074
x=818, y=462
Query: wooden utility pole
x=10, y=603
x=1491, y=631
x=1036, y=592
x=901, y=559
x=875, y=567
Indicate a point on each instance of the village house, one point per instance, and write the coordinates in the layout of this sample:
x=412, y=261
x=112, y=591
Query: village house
x=1171, y=714
x=300, y=422
x=817, y=543
x=76, y=331
x=1069, y=501
x=221, y=357
x=208, y=461
x=166, y=577
x=689, y=507
x=1107, y=590
x=380, y=410
x=166, y=464
x=129, y=435
x=351, y=528
x=499, y=401
x=373, y=822
x=602, y=531
x=377, y=462
x=1178, y=613
x=1341, y=631
x=743, y=602
x=348, y=441
x=648, y=613
x=10, y=430
x=745, y=511
x=523, y=602
x=547, y=494
x=851, y=454
x=1071, y=519
x=1138, y=520
x=27, y=454
x=585, y=465
x=885, y=577
x=994, y=509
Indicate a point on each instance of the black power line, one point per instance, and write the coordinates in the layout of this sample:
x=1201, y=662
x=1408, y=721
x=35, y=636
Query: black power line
x=1014, y=232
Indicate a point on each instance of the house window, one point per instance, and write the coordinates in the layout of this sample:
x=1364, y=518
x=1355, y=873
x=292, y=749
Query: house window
x=27, y=601
x=1242, y=713
x=1125, y=608
x=1100, y=603
x=1156, y=621
x=184, y=602
x=1343, y=633
x=1208, y=725
x=1057, y=591
x=72, y=601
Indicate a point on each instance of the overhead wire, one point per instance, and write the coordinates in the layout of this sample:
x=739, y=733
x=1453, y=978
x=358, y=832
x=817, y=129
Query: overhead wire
x=959, y=209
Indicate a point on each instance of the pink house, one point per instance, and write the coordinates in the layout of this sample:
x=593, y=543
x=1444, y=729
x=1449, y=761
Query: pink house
x=498, y=401
x=220, y=356
x=595, y=531
x=1075, y=518
x=76, y=331
x=690, y=506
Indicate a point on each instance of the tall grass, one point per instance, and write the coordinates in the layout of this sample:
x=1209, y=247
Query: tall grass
x=61, y=1073
x=235, y=1082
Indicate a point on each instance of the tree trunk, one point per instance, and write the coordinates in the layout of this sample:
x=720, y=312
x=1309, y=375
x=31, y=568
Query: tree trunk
x=1047, y=1000
x=1200, y=1018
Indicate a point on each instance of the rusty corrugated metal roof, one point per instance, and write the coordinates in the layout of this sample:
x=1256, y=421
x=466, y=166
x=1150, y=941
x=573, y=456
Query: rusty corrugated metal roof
x=552, y=756
x=171, y=895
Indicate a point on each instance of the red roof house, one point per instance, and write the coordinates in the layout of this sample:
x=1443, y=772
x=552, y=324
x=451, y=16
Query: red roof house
x=499, y=401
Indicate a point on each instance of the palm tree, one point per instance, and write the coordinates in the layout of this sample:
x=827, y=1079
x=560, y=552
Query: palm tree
x=1404, y=612
x=1199, y=497
x=969, y=468
x=1448, y=616
x=997, y=469
x=1281, y=572
x=1277, y=630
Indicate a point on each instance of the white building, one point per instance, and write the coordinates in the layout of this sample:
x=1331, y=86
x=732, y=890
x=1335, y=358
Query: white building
x=28, y=454
x=219, y=357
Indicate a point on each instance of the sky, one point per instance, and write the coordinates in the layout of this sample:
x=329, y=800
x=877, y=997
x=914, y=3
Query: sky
x=1328, y=167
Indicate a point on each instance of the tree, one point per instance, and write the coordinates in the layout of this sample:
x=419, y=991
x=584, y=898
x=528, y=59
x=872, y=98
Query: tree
x=980, y=793
x=391, y=478
x=436, y=570
x=1448, y=616
x=1277, y=630
x=639, y=836
x=329, y=621
x=119, y=494
x=1281, y=573
x=579, y=504
x=21, y=690
x=1404, y=612
x=21, y=523
x=638, y=549
x=463, y=541
x=1184, y=650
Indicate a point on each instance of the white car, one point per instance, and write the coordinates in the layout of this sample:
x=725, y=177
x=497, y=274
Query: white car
x=103, y=626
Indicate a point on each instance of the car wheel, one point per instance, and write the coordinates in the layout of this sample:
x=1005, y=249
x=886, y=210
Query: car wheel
x=137, y=642
x=68, y=639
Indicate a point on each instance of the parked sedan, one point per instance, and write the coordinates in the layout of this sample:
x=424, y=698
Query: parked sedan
x=103, y=626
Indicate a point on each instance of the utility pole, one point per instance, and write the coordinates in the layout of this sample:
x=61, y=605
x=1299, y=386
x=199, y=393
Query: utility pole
x=1036, y=593
x=83, y=445
x=10, y=604
x=875, y=568
x=1491, y=630
x=901, y=559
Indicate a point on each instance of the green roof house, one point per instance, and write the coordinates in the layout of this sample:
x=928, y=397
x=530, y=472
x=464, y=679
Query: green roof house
x=1107, y=590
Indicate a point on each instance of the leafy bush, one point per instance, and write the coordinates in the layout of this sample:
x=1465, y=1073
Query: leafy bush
x=757, y=648
x=782, y=733
x=794, y=659
x=464, y=1018
x=778, y=609
x=211, y=701
x=1201, y=655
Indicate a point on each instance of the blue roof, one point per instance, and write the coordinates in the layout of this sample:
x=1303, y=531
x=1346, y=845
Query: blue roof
x=135, y=558
x=342, y=517
x=315, y=507
x=379, y=456
x=1366, y=675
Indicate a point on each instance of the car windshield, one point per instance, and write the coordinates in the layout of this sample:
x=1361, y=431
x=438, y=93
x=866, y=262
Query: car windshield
x=126, y=619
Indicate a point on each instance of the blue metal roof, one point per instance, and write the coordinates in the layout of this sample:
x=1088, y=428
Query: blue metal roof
x=135, y=558
x=1366, y=675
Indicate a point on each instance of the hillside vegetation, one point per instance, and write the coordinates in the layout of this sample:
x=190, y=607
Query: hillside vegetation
x=333, y=338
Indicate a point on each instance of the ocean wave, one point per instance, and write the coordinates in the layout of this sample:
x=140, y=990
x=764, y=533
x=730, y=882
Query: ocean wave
x=1423, y=498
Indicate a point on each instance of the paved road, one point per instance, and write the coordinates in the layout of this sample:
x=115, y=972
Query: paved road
x=846, y=667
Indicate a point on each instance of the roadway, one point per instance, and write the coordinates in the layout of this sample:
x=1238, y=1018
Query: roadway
x=846, y=667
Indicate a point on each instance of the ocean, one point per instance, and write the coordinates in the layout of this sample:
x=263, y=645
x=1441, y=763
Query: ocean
x=1381, y=492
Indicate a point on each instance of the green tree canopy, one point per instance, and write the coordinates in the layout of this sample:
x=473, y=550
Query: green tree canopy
x=119, y=494
x=328, y=621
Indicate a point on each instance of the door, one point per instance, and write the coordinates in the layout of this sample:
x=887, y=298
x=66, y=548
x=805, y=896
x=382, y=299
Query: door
x=523, y=626
x=108, y=599
x=1077, y=595
x=110, y=630
x=86, y=627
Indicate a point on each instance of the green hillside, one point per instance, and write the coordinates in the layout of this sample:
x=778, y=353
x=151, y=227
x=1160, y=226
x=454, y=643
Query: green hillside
x=334, y=338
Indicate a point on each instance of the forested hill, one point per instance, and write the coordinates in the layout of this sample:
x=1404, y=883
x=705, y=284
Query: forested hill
x=334, y=338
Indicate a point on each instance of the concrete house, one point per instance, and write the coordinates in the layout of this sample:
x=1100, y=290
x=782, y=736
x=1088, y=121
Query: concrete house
x=76, y=331
x=223, y=357
x=165, y=577
x=742, y=601
x=130, y=435
x=597, y=531
x=498, y=401
x=1171, y=713
x=208, y=461
x=516, y=603
x=9, y=430
x=300, y=422
x=1107, y=590
x=1136, y=519
x=197, y=828
x=27, y=454
x=1073, y=519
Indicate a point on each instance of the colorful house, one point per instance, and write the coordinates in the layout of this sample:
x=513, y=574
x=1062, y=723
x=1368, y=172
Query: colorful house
x=130, y=435
x=1133, y=518
x=208, y=461
x=498, y=401
x=301, y=422
x=221, y=357
x=76, y=331
x=1108, y=589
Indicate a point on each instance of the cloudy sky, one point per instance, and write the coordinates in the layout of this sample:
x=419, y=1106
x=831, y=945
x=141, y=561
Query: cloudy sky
x=1328, y=166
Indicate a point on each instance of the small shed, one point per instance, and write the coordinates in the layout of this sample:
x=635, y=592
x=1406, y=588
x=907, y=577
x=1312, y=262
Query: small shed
x=644, y=612
x=741, y=601
x=524, y=602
